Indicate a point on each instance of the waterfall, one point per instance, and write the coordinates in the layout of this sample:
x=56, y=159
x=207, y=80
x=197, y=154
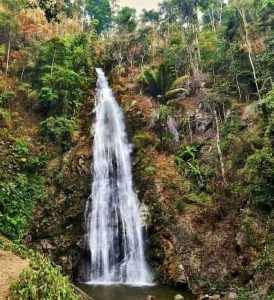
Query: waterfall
x=114, y=225
x=171, y=124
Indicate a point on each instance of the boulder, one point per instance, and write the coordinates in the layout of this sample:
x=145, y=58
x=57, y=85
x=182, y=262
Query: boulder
x=231, y=296
x=203, y=297
x=179, y=297
x=171, y=94
x=215, y=297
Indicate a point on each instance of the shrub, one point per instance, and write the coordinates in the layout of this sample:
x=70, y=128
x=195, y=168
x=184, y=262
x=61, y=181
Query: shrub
x=58, y=130
x=259, y=168
x=260, y=173
x=161, y=126
x=156, y=81
x=5, y=118
x=21, y=148
x=18, y=198
x=187, y=161
x=47, y=99
x=267, y=105
x=61, y=92
x=43, y=281
x=26, y=160
x=6, y=98
x=144, y=139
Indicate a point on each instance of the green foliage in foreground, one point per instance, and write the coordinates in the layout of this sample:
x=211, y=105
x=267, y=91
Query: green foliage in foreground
x=18, y=198
x=42, y=281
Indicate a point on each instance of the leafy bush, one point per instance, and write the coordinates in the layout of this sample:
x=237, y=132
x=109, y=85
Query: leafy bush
x=17, y=201
x=161, y=126
x=58, y=130
x=260, y=173
x=187, y=161
x=43, y=281
x=5, y=117
x=144, y=139
x=6, y=98
x=61, y=92
x=26, y=160
x=267, y=105
x=244, y=294
x=156, y=81
x=21, y=148
x=201, y=198
x=48, y=99
x=259, y=167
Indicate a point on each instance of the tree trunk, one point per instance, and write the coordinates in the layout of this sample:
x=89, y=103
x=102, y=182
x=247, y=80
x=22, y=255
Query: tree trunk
x=238, y=86
x=197, y=46
x=190, y=130
x=212, y=19
x=22, y=73
x=52, y=63
x=249, y=48
x=8, y=56
x=218, y=142
x=221, y=13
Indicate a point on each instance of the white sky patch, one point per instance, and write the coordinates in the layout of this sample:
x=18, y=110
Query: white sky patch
x=139, y=5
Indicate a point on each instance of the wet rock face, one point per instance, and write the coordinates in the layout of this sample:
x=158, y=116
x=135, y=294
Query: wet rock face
x=58, y=228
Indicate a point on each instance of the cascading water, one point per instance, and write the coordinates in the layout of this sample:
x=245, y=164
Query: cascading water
x=171, y=124
x=114, y=226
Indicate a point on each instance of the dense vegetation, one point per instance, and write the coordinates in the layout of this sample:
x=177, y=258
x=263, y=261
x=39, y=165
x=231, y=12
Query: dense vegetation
x=42, y=280
x=202, y=73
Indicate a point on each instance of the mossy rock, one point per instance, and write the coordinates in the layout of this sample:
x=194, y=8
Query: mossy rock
x=176, y=92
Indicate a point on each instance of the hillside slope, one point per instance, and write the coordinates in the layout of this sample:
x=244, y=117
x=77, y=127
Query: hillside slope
x=11, y=267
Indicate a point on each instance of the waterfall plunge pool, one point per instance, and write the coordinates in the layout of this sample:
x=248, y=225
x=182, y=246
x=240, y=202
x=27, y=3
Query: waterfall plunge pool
x=127, y=292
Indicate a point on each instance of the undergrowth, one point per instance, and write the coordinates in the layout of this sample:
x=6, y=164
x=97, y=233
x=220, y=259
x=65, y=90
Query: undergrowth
x=42, y=281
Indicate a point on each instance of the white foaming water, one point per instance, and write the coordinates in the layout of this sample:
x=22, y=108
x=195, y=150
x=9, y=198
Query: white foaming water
x=114, y=226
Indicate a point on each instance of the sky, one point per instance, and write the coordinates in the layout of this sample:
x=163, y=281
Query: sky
x=140, y=4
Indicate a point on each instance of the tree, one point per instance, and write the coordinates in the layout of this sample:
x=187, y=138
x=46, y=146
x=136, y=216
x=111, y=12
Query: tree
x=150, y=16
x=8, y=31
x=157, y=81
x=169, y=11
x=52, y=8
x=241, y=6
x=63, y=88
x=187, y=15
x=213, y=13
x=126, y=19
x=100, y=11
